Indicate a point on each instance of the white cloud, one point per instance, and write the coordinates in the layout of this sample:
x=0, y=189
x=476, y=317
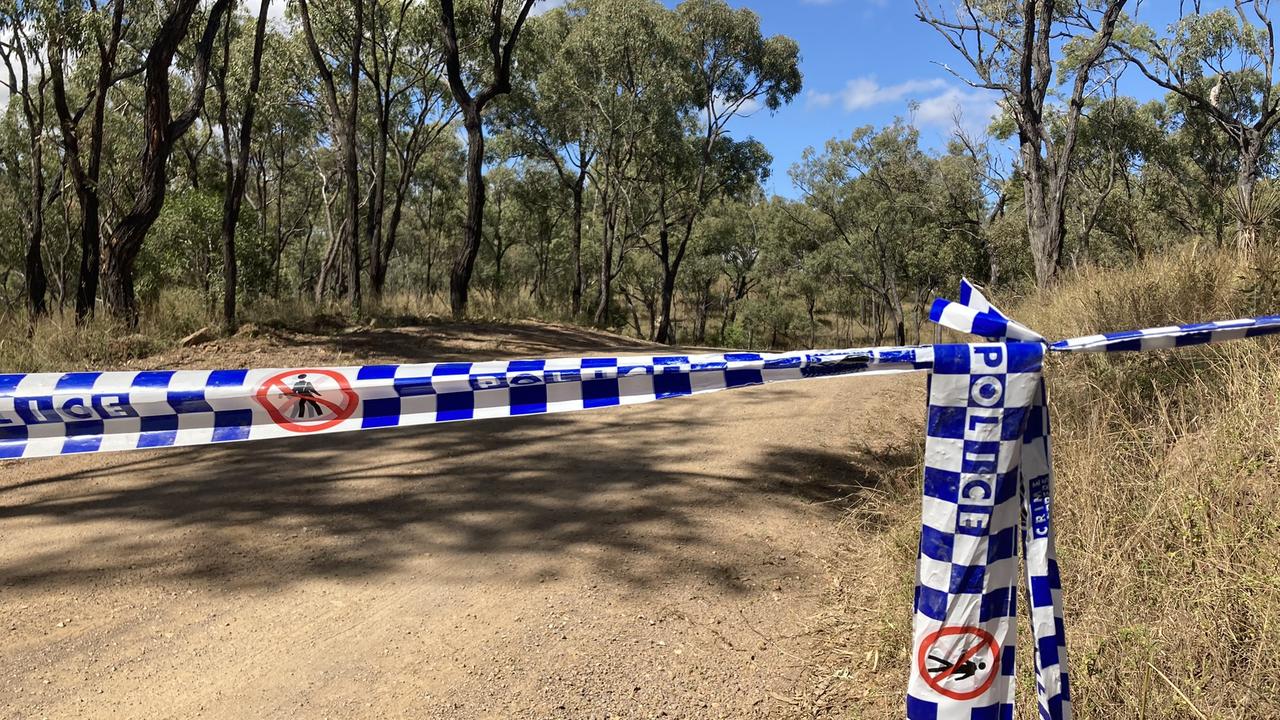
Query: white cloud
x=971, y=109
x=865, y=92
x=933, y=102
x=818, y=100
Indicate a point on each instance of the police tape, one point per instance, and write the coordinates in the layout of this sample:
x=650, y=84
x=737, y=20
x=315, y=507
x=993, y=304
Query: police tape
x=975, y=315
x=44, y=414
x=988, y=488
x=988, y=480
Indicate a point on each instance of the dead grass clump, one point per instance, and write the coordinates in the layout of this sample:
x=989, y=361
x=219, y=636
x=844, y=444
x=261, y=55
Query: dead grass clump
x=1167, y=515
x=57, y=343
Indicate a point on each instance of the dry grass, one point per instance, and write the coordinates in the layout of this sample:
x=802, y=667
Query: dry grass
x=1168, y=515
x=1168, y=508
x=56, y=343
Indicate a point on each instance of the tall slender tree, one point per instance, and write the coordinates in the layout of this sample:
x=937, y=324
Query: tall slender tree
x=161, y=131
x=500, y=40
x=85, y=162
x=343, y=122
x=236, y=162
x=1009, y=49
x=26, y=82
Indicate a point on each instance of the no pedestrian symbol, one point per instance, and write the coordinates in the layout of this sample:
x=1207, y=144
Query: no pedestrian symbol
x=307, y=400
x=959, y=662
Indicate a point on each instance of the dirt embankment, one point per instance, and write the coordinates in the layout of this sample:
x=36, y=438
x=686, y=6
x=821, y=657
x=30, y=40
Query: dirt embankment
x=665, y=560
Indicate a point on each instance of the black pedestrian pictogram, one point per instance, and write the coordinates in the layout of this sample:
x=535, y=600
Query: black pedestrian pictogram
x=308, y=400
x=304, y=391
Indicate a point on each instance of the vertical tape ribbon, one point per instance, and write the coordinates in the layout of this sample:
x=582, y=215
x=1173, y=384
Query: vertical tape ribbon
x=987, y=488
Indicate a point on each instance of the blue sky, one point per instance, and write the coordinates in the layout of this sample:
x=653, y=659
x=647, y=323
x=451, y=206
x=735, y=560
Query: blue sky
x=864, y=63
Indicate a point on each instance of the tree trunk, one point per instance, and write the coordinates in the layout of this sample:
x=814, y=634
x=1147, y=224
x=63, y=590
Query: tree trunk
x=606, y=266
x=37, y=280
x=237, y=172
x=350, y=164
x=472, y=107
x=377, y=204
x=575, y=249
x=1044, y=234
x=85, y=174
x=1250, y=220
x=161, y=131
x=460, y=277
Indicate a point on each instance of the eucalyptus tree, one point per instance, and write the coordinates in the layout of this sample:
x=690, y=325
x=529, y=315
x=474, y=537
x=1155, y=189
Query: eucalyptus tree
x=26, y=80
x=1189, y=167
x=548, y=118
x=733, y=69
x=621, y=63
x=337, y=61
x=869, y=193
x=236, y=162
x=161, y=130
x=498, y=240
x=284, y=187
x=540, y=211
x=436, y=206
x=404, y=64
x=1223, y=63
x=1009, y=48
x=498, y=30
x=87, y=33
x=1117, y=139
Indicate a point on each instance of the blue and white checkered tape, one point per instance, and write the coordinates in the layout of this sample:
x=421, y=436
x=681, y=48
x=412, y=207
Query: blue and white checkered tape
x=44, y=414
x=975, y=315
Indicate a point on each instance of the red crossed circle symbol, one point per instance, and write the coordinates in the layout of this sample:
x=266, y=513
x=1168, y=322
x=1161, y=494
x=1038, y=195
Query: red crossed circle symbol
x=985, y=642
x=275, y=385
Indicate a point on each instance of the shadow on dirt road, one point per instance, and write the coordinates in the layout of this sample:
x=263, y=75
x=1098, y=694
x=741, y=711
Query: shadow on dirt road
x=630, y=486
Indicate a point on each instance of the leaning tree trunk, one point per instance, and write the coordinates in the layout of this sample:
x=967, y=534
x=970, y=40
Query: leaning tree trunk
x=162, y=131
x=460, y=278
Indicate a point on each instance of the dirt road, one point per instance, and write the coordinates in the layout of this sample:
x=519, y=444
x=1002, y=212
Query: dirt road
x=663, y=560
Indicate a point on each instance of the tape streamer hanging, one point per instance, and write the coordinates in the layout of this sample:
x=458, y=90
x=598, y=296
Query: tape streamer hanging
x=987, y=487
x=988, y=484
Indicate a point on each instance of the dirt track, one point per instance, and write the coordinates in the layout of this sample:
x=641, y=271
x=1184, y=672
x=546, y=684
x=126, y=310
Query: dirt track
x=664, y=560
